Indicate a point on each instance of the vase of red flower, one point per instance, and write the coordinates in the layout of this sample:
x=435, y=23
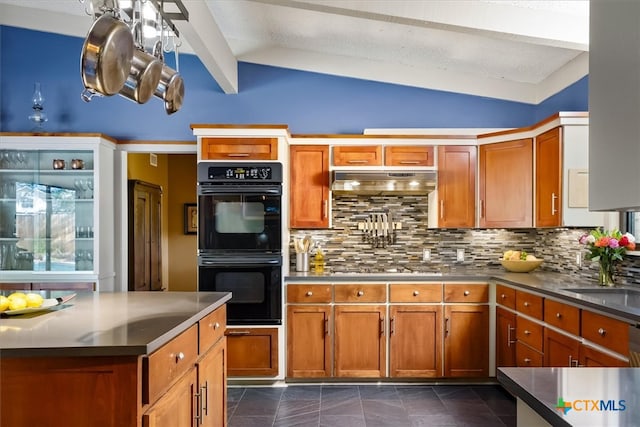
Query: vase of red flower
x=608, y=248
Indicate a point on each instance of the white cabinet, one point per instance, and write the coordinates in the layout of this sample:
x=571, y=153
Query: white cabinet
x=56, y=208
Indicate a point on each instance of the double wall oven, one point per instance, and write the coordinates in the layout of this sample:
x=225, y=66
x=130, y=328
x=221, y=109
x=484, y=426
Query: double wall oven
x=240, y=238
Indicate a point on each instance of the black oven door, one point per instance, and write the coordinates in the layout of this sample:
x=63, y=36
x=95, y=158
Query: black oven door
x=239, y=218
x=255, y=284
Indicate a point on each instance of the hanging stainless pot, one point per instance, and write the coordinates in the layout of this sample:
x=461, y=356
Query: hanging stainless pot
x=170, y=89
x=143, y=77
x=106, y=57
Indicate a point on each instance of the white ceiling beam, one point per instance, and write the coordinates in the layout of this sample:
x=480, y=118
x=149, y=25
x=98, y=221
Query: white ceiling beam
x=499, y=21
x=205, y=38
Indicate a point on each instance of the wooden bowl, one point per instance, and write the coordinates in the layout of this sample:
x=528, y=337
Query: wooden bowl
x=520, y=266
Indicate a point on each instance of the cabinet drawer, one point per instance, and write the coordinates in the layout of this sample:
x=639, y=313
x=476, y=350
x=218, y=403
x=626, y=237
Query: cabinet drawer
x=169, y=362
x=529, y=304
x=309, y=293
x=408, y=292
x=466, y=292
x=211, y=328
x=408, y=155
x=605, y=331
x=239, y=148
x=252, y=352
x=529, y=333
x=357, y=155
x=563, y=316
x=360, y=293
x=527, y=357
x=506, y=296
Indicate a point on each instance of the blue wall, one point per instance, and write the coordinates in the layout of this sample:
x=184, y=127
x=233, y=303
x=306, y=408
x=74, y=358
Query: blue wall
x=306, y=102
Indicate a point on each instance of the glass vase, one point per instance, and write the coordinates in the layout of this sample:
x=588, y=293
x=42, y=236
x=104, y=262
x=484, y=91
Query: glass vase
x=605, y=275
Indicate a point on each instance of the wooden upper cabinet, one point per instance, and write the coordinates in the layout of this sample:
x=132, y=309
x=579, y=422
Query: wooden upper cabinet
x=548, y=179
x=506, y=184
x=457, y=186
x=309, y=200
x=408, y=155
x=357, y=155
x=239, y=149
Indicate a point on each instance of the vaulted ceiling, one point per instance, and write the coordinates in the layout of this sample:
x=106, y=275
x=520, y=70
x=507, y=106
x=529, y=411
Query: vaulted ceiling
x=517, y=50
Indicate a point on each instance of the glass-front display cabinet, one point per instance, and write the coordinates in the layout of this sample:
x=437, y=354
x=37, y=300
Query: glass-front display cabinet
x=56, y=208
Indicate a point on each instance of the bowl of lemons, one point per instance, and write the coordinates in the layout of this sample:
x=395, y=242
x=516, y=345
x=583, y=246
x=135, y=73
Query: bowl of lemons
x=520, y=261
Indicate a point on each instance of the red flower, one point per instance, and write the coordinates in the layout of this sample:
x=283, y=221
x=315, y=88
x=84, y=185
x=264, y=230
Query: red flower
x=624, y=241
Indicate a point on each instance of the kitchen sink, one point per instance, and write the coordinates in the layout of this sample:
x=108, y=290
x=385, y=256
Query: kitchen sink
x=619, y=296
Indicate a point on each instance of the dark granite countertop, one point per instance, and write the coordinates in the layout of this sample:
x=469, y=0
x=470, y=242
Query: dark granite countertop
x=556, y=285
x=106, y=324
x=613, y=391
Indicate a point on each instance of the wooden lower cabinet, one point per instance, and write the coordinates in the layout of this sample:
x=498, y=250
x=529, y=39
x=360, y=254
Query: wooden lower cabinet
x=466, y=341
x=560, y=350
x=212, y=386
x=505, y=338
x=360, y=341
x=252, y=352
x=308, y=341
x=177, y=407
x=589, y=357
x=415, y=340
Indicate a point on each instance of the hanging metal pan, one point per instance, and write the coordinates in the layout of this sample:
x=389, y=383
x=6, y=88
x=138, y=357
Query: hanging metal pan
x=143, y=77
x=106, y=59
x=170, y=89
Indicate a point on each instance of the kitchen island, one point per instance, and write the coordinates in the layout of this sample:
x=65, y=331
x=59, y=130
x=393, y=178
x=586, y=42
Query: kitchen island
x=574, y=396
x=117, y=359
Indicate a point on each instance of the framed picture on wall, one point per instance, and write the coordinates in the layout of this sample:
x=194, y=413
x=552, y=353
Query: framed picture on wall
x=190, y=218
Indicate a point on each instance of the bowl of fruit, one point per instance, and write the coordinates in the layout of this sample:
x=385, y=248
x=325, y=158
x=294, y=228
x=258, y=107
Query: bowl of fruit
x=520, y=261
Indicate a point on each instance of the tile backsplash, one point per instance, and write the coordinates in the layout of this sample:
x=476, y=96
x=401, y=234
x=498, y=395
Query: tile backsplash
x=346, y=250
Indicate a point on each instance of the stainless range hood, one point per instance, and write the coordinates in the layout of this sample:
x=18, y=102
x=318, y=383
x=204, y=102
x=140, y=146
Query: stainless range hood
x=384, y=183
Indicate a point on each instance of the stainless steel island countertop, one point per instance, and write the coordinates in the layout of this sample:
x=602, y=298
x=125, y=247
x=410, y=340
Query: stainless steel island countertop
x=584, y=397
x=106, y=324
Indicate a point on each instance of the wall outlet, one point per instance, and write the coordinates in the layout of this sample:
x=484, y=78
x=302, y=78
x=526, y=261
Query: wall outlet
x=460, y=255
x=426, y=255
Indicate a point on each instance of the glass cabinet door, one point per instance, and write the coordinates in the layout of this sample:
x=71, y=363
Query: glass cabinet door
x=46, y=210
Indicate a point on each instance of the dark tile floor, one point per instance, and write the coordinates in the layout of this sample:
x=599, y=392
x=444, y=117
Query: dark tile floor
x=371, y=406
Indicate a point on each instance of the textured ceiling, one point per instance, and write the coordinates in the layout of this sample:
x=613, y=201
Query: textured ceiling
x=519, y=50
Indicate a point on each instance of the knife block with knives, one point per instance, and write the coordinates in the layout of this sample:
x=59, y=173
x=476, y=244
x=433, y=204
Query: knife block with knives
x=379, y=229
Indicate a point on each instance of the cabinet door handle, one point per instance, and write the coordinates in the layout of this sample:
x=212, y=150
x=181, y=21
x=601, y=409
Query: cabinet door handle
x=509, y=340
x=602, y=331
x=392, y=326
x=481, y=208
x=238, y=155
x=309, y=294
x=325, y=208
x=197, y=416
x=416, y=293
x=179, y=357
x=326, y=327
x=357, y=161
x=573, y=363
x=466, y=293
x=204, y=407
x=382, y=326
x=526, y=304
x=553, y=204
x=446, y=326
x=503, y=296
x=231, y=332
x=214, y=325
x=441, y=208
x=527, y=360
x=360, y=293
x=526, y=332
x=409, y=162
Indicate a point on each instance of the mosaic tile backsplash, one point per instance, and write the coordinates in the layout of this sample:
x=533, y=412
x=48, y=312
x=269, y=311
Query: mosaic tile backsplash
x=346, y=250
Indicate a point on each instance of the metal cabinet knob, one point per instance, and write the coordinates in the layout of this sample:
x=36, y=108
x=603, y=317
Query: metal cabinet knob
x=526, y=304
x=309, y=293
x=179, y=357
x=527, y=332
x=602, y=331
x=558, y=315
x=416, y=293
x=466, y=293
x=503, y=296
x=214, y=325
x=527, y=360
x=360, y=293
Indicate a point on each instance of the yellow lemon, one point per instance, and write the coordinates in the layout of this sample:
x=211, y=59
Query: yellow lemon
x=17, y=303
x=17, y=295
x=34, y=300
x=4, y=303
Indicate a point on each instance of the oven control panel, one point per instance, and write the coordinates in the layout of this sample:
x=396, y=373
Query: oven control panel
x=236, y=172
